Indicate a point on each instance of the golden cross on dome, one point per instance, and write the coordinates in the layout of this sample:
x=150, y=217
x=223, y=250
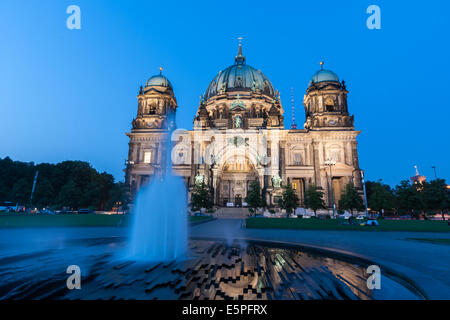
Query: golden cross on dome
x=321, y=65
x=160, y=70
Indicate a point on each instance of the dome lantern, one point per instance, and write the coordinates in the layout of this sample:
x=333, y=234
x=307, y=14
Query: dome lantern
x=240, y=59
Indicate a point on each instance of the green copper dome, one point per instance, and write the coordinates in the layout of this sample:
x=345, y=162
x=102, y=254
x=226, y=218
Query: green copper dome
x=323, y=76
x=239, y=77
x=159, y=80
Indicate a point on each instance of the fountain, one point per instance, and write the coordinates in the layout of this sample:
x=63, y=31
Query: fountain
x=159, y=230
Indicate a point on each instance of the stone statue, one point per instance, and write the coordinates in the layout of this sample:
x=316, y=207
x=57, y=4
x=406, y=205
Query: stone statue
x=276, y=181
x=238, y=122
x=199, y=179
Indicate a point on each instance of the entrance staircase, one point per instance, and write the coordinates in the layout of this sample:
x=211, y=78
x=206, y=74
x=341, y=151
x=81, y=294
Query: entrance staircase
x=231, y=213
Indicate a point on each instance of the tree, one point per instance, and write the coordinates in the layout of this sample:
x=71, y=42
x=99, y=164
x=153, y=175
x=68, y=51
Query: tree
x=117, y=194
x=436, y=196
x=314, y=198
x=21, y=191
x=44, y=194
x=351, y=199
x=89, y=188
x=380, y=196
x=254, y=198
x=408, y=198
x=201, y=197
x=289, y=199
x=69, y=196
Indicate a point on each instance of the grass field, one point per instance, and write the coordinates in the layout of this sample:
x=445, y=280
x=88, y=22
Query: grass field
x=69, y=220
x=318, y=224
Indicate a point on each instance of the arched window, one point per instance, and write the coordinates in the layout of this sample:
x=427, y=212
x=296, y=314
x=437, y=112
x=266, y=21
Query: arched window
x=238, y=83
x=329, y=104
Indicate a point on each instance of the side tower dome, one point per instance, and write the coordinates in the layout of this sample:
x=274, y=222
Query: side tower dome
x=326, y=102
x=158, y=81
x=323, y=76
x=156, y=104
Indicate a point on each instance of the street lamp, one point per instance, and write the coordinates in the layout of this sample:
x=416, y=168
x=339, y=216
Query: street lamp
x=128, y=164
x=364, y=188
x=330, y=163
x=213, y=162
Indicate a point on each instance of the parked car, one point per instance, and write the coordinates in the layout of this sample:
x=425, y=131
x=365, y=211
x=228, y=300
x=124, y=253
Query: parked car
x=63, y=212
x=346, y=215
x=85, y=211
x=7, y=206
x=46, y=211
x=360, y=217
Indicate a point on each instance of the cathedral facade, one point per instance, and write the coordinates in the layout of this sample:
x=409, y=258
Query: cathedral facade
x=239, y=137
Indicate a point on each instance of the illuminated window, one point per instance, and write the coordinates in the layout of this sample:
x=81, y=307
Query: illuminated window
x=147, y=157
x=294, y=185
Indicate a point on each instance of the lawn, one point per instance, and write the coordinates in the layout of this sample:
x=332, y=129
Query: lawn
x=69, y=220
x=331, y=224
x=199, y=218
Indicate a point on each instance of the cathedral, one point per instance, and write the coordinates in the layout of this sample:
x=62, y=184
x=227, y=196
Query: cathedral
x=238, y=137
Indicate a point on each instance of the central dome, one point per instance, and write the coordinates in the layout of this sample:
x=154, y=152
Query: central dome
x=239, y=77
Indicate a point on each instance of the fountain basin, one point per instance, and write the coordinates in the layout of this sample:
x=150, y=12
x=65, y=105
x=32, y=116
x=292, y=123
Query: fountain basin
x=212, y=269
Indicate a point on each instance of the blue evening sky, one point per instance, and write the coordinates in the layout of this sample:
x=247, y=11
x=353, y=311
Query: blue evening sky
x=71, y=94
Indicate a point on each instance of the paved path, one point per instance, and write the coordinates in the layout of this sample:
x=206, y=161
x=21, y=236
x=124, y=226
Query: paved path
x=428, y=265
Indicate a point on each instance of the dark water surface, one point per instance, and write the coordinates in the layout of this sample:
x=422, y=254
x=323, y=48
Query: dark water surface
x=212, y=270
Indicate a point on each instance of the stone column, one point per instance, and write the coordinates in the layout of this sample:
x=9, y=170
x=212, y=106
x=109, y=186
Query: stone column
x=357, y=177
x=261, y=178
x=316, y=162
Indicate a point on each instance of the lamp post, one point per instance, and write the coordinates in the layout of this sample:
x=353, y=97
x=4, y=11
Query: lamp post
x=128, y=164
x=365, y=196
x=330, y=163
x=211, y=186
x=34, y=186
